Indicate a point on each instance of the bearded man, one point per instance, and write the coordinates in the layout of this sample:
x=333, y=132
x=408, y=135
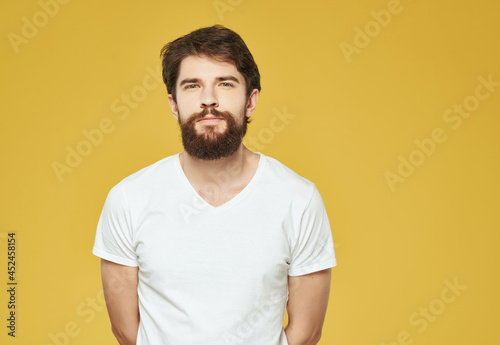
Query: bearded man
x=214, y=244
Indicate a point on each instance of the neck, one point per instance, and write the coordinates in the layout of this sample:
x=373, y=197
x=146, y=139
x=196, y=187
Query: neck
x=222, y=171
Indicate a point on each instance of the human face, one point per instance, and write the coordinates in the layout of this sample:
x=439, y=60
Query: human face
x=211, y=107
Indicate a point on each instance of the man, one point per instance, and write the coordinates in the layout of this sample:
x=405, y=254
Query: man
x=209, y=246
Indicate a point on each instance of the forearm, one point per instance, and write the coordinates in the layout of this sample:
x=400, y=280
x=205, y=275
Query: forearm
x=306, y=307
x=120, y=292
x=299, y=336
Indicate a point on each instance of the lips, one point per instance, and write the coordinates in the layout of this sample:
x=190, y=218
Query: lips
x=210, y=117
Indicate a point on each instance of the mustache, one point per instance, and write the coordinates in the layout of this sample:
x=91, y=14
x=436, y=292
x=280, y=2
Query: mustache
x=213, y=111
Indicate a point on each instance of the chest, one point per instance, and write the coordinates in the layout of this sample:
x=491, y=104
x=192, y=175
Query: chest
x=213, y=249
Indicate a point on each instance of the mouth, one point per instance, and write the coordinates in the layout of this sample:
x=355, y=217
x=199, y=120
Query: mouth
x=210, y=118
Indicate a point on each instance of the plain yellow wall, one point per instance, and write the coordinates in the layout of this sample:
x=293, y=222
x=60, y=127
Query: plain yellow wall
x=390, y=107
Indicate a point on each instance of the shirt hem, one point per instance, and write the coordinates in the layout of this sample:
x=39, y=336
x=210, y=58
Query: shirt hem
x=113, y=258
x=313, y=268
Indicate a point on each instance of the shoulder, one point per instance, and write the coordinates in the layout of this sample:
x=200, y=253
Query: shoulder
x=149, y=176
x=288, y=181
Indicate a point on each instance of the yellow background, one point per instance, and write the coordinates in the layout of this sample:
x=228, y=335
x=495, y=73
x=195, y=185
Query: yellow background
x=396, y=247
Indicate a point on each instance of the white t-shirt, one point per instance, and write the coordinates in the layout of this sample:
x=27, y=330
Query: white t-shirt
x=214, y=275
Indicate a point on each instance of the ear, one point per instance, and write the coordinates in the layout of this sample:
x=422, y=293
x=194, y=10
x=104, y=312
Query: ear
x=252, y=102
x=173, y=106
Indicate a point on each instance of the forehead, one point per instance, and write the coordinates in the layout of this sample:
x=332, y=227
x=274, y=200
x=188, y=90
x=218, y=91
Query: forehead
x=203, y=67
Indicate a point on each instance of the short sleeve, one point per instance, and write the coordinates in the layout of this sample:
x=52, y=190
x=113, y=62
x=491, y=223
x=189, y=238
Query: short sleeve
x=114, y=235
x=313, y=248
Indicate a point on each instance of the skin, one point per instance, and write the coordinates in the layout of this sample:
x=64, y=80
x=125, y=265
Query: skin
x=306, y=307
x=211, y=83
x=122, y=301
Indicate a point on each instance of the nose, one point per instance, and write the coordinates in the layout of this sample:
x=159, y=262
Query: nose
x=209, y=98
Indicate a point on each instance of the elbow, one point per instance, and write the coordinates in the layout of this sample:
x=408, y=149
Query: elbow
x=124, y=337
x=302, y=338
x=313, y=339
x=316, y=339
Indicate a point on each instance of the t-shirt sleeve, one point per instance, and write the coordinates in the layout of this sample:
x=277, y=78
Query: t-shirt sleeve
x=313, y=248
x=114, y=235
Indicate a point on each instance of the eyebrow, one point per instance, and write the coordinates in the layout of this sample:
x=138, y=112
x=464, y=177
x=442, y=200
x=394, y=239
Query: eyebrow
x=189, y=80
x=228, y=77
x=197, y=80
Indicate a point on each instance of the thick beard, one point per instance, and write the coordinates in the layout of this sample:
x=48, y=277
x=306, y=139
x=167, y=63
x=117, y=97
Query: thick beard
x=212, y=145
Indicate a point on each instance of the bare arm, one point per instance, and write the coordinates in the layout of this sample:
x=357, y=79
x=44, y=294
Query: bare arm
x=306, y=307
x=120, y=292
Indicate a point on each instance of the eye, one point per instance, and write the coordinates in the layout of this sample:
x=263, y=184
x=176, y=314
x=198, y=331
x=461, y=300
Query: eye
x=226, y=84
x=190, y=86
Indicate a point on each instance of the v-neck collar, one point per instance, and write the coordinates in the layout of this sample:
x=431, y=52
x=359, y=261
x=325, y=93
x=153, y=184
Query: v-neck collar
x=238, y=196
